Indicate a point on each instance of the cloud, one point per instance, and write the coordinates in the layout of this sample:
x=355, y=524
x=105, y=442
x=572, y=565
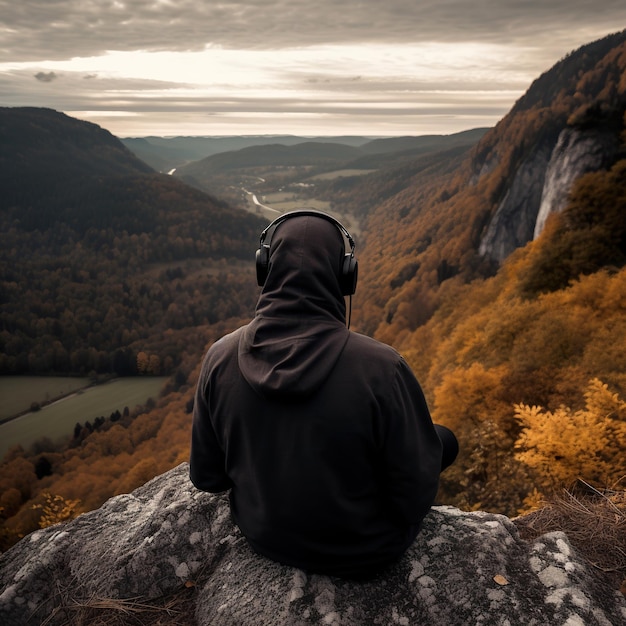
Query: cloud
x=74, y=92
x=381, y=105
x=45, y=77
x=251, y=66
x=37, y=30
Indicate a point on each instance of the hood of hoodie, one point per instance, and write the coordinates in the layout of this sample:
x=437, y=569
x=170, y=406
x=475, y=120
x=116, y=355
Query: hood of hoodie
x=299, y=331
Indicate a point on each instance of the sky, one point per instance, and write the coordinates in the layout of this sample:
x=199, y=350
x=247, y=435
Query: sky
x=304, y=67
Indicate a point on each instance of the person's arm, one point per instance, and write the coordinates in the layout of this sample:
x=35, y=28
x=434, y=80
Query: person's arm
x=412, y=449
x=207, y=462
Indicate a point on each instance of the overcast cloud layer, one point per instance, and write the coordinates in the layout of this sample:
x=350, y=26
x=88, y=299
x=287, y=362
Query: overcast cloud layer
x=61, y=29
x=266, y=66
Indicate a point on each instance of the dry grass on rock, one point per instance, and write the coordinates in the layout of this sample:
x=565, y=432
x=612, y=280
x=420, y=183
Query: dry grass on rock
x=595, y=523
x=175, y=610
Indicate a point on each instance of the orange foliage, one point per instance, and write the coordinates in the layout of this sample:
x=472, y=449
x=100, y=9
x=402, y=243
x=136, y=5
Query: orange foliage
x=55, y=509
x=491, y=350
x=563, y=445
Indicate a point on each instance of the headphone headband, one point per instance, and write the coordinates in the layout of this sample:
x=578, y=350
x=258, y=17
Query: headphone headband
x=350, y=266
x=304, y=212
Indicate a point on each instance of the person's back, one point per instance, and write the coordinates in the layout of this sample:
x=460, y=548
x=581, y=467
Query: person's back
x=322, y=434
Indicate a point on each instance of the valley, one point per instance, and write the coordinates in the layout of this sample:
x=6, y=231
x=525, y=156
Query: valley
x=514, y=332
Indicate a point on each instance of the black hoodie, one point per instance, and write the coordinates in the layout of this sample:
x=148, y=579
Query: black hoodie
x=322, y=434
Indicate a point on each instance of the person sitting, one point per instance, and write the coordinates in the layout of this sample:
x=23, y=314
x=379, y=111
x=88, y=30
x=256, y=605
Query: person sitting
x=322, y=434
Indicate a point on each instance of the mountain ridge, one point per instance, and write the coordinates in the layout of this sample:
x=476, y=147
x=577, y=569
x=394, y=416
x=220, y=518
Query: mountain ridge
x=166, y=153
x=82, y=170
x=483, y=180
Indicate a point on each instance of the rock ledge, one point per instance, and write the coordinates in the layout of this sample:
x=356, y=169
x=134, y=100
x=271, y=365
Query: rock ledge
x=464, y=568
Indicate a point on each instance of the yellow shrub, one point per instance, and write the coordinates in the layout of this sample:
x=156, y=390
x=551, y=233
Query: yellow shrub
x=56, y=509
x=563, y=445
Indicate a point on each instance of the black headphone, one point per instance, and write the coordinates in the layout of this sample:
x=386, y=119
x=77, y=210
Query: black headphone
x=349, y=270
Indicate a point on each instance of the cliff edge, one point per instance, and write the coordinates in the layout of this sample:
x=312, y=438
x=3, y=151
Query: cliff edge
x=167, y=539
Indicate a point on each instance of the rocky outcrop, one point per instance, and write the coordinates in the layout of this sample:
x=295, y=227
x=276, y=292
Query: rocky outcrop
x=576, y=153
x=513, y=223
x=464, y=568
x=541, y=185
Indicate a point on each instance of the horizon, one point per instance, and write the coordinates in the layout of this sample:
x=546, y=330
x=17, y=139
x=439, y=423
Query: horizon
x=302, y=135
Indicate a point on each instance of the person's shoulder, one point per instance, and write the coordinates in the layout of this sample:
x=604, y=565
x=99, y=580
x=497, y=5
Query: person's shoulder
x=225, y=341
x=225, y=346
x=372, y=347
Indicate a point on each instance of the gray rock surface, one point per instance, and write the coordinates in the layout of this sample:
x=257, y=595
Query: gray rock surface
x=464, y=568
x=513, y=223
x=541, y=186
x=576, y=153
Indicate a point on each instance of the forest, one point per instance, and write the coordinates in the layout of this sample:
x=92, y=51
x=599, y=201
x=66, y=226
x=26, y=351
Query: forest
x=104, y=258
x=525, y=360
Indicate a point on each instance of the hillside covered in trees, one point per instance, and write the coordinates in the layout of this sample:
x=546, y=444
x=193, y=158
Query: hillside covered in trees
x=523, y=358
x=103, y=258
x=545, y=328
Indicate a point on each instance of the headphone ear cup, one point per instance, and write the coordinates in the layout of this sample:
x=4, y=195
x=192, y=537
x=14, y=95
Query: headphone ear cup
x=349, y=274
x=262, y=264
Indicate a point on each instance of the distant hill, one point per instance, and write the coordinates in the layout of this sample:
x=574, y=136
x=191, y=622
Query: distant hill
x=397, y=151
x=315, y=157
x=303, y=154
x=166, y=153
x=161, y=158
x=423, y=143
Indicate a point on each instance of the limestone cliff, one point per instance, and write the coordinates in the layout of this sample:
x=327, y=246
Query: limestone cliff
x=577, y=152
x=541, y=184
x=514, y=221
x=166, y=537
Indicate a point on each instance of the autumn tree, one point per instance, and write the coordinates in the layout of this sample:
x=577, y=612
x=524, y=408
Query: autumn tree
x=469, y=401
x=563, y=445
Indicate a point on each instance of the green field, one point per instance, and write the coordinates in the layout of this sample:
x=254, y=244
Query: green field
x=341, y=174
x=284, y=202
x=57, y=420
x=19, y=392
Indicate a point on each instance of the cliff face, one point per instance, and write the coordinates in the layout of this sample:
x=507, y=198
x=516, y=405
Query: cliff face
x=514, y=221
x=568, y=123
x=463, y=220
x=576, y=153
x=541, y=185
x=168, y=538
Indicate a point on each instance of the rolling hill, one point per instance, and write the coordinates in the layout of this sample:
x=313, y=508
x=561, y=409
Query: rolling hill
x=167, y=153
